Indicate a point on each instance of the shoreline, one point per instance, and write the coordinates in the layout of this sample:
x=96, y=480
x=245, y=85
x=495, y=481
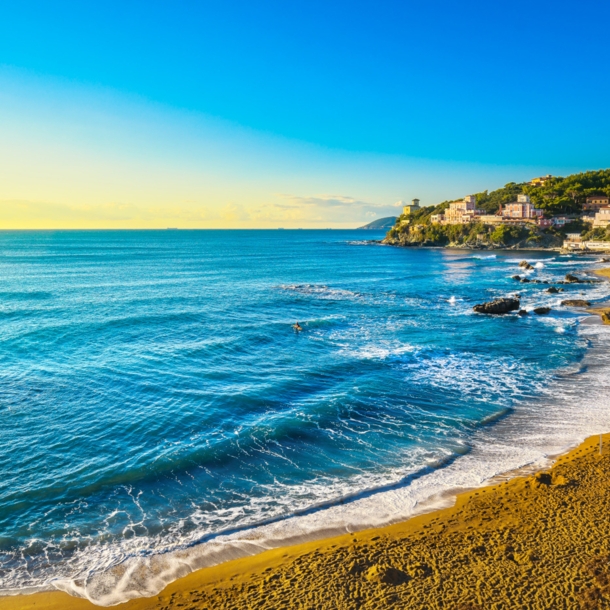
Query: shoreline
x=315, y=540
x=488, y=528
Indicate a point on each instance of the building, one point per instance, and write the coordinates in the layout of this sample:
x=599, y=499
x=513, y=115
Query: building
x=540, y=181
x=522, y=209
x=602, y=218
x=596, y=202
x=461, y=212
x=573, y=243
x=412, y=207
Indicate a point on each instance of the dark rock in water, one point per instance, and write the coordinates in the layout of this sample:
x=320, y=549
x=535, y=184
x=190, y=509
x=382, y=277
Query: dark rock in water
x=576, y=303
x=552, y=290
x=499, y=306
x=523, y=312
x=572, y=279
x=536, y=281
x=517, y=278
x=524, y=280
x=542, y=311
x=525, y=265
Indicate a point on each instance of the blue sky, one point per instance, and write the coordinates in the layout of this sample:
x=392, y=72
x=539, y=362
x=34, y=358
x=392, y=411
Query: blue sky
x=443, y=95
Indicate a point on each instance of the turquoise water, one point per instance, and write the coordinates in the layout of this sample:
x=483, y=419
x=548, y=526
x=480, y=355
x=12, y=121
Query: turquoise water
x=155, y=395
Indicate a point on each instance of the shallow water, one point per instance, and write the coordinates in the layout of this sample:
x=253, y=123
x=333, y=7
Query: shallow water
x=155, y=395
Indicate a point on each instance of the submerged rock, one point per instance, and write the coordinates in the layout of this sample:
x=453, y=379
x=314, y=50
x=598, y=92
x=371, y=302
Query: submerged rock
x=497, y=307
x=552, y=290
x=523, y=312
x=576, y=303
x=541, y=311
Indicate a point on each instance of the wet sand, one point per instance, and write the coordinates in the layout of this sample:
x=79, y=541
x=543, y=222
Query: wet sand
x=603, y=272
x=539, y=541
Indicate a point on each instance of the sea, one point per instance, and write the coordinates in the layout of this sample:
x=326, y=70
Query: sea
x=159, y=413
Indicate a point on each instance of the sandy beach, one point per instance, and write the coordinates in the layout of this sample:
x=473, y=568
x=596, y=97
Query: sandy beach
x=537, y=541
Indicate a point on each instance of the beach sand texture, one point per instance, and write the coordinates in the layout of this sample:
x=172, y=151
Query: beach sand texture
x=541, y=541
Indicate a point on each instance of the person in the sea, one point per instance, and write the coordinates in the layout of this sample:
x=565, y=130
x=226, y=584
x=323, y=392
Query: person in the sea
x=297, y=327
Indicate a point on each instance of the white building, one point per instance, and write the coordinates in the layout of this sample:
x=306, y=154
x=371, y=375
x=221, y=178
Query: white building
x=602, y=218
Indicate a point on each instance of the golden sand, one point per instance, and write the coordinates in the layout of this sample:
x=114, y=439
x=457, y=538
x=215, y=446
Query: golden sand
x=604, y=272
x=536, y=542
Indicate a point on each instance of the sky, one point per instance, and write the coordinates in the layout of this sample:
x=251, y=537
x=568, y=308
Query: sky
x=330, y=114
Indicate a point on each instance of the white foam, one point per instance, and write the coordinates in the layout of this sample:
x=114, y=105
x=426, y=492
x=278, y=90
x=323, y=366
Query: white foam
x=532, y=433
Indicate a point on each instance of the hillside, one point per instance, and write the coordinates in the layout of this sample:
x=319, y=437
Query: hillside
x=557, y=196
x=381, y=223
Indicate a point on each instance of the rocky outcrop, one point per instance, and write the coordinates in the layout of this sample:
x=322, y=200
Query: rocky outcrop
x=552, y=290
x=576, y=303
x=526, y=265
x=523, y=312
x=572, y=279
x=542, y=311
x=498, y=307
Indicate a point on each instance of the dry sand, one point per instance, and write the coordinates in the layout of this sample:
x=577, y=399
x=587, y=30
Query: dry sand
x=541, y=541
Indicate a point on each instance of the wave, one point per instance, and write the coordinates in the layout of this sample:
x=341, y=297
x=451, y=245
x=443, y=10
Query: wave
x=321, y=291
x=535, y=431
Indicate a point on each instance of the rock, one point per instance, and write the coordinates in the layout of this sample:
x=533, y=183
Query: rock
x=552, y=290
x=523, y=312
x=576, y=303
x=517, y=278
x=524, y=280
x=572, y=279
x=525, y=265
x=499, y=306
x=542, y=311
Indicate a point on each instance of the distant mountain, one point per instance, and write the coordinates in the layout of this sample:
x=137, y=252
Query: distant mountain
x=381, y=223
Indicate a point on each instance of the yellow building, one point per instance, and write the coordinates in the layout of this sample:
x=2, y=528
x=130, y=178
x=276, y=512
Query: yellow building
x=412, y=207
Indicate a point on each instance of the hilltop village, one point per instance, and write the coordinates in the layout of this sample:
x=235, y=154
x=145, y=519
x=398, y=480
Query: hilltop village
x=570, y=213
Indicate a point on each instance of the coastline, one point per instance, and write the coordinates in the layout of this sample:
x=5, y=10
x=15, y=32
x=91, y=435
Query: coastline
x=497, y=543
x=311, y=540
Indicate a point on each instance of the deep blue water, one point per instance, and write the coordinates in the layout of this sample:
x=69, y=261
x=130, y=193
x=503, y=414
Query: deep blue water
x=155, y=394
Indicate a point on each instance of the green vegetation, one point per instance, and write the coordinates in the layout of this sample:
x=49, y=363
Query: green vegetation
x=598, y=234
x=557, y=196
x=474, y=234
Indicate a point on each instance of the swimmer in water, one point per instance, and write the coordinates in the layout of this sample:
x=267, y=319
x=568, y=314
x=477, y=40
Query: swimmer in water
x=297, y=327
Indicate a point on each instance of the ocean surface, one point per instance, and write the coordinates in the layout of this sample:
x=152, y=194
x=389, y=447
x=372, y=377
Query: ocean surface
x=158, y=412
